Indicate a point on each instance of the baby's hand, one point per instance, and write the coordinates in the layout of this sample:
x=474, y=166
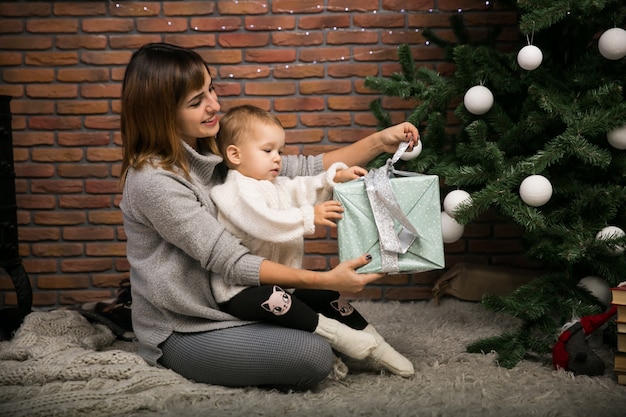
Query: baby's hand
x=349, y=174
x=327, y=212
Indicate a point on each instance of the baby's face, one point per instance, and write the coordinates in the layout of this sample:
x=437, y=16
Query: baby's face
x=261, y=152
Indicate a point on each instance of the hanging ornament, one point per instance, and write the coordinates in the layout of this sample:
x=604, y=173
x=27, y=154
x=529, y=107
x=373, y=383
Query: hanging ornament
x=408, y=155
x=535, y=190
x=454, y=199
x=451, y=230
x=529, y=57
x=612, y=44
x=478, y=100
x=598, y=287
x=617, y=138
x=611, y=232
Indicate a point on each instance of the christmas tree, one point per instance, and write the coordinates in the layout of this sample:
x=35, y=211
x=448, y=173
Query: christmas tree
x=541, y=140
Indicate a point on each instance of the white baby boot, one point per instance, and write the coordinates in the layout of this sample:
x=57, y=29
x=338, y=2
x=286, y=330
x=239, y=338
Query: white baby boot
x=386, y=356
x=356, y=344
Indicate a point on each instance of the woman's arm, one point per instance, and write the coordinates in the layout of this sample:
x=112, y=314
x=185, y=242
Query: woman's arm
x=341, y=278
x=368, y=148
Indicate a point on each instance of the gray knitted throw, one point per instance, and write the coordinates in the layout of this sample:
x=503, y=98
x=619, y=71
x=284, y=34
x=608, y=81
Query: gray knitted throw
x=60, y=364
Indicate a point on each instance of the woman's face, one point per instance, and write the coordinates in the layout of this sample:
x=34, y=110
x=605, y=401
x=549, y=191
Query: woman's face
x=197, y=114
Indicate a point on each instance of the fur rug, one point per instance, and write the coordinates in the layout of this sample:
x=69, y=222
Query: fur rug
x=60, y=364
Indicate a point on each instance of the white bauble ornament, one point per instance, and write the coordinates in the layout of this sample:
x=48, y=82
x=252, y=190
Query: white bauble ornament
x=612, y=44
x=529, y=57
x=451, y=230
x=454, y=199
x=408, y=155
x=535, y=190
x=617, y=138
x=478, y=100
x=598, y=287
x=612, y=232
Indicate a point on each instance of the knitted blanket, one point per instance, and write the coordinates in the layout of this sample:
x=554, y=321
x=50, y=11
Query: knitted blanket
x=60, y=364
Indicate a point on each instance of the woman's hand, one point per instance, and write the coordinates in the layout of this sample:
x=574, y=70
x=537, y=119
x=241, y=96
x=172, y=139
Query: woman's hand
x=363, y=151
x=403, y=132
x=344, y=278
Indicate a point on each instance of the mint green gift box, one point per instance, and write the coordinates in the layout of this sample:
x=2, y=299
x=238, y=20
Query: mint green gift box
x=417, y=196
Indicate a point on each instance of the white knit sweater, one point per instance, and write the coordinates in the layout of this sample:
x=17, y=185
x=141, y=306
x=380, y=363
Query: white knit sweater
x=270, y=217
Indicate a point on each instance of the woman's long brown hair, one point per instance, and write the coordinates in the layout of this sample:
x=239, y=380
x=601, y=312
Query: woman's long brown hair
x=158, y=78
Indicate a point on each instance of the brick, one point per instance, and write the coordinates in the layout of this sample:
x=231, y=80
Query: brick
x=240, y=71
x=102, y=122
x=11, y=9
x=51, y=91
x=103, y=187
x=134, y=8
x=83, y=170
x=324, y=22
x=192, y=41
x=104, y=154
x=304, y=136
x=51, y=59
x=81, y=42
x=299, y=71
x=297, y=6
x=325, y=87
x=59, y=217
x=56, y=282
x=82, y=107
x=106, y=25
x=31, y=107
x=38, y=266
x=10, y=58
x=403, y=5
x=324, y=54
x=352, y=5
x=242, y=7
x=104, y=217
x=259, y=102
x=121, y=264
x=352, y=70
x=153, y=25
x=83, y=138
x=269, y=23
x=188, y=8
x=375, y=54
x=314, y=263
x=397, y=37
x=216, y=24
x=107, y=280
x=474, y=5
x=392, y=20
x=52, y=25
x=31, y=75
x=84, y=201
x=81, y=75
x=243, y=40
x=79, y=9
x=35, y=234
x=221, y=56
x=56, y=186
x=86, y=265
x=34, y=170
x=325, y=119
x=88, y=233
x=343, y=37
x=348, y=135
x=288, y=120
x=14, y=91
x=28, y=202
x=57, y=250
x=297, y=39
x=56, y=155
x=299, y=104
x=349, y=103
x=105, y=58
x=105, y=249
x=270, y=88
x=270, y=55
x=109, y=90
x=54, y=122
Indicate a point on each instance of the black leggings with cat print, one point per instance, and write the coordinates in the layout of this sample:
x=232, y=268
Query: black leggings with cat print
x=297, y=310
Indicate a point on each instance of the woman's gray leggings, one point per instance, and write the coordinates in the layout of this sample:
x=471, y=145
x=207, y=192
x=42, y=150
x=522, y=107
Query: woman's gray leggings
x=260, y=354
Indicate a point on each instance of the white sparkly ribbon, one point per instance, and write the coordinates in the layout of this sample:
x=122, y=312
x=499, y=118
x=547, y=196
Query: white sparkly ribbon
x=385, y=209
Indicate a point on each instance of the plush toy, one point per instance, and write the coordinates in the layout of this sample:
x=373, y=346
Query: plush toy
x=571, y=351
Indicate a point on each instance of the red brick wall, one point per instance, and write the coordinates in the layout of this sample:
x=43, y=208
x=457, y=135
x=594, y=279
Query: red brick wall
x=63, y=63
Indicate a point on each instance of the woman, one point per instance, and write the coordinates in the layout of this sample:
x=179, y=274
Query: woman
x=175, y=242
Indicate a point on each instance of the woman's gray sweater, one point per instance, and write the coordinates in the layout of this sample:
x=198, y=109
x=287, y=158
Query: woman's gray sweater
x=175, y=243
